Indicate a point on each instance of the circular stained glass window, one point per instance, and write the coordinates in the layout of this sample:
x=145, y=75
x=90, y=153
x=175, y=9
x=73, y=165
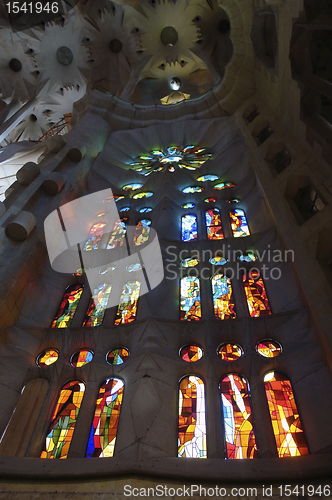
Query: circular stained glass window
x=268, y=348
x=191, y=353
x=117, y=356
x=230, y=352
x=47, y=357
x=81, y=358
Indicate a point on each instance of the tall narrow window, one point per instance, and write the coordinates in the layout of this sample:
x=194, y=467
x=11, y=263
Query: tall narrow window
x=190, y=309
x=68, y=306
x=128, y=303
x=189, y=227
x=106, y=419
x=142, y=232
x=96, y=234
x=258, y=303
x=238, y=422
x=63, y=420
x=118, y=234
x=213, y=224
x=192, y=420
x=287, y=428
x=98, y=303
x=239, y=223
x=223, y=302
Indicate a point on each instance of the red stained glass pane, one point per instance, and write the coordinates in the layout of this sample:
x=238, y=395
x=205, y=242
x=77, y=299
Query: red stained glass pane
x=118, y=356
x=191, y=353
x=47, y=357
x=213, y=224
x=268, y=348
x=81, y=358
x=258, y=303
x=230, y=352
x=287, y=428
x=68, y=307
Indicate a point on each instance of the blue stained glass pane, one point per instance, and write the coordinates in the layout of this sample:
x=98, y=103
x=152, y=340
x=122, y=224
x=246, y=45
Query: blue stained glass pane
x=193, y=189
x=145, y=210
x=189, y=227
x=205, y=178
x=239, y=223
x=91, y=446
x=188, y=205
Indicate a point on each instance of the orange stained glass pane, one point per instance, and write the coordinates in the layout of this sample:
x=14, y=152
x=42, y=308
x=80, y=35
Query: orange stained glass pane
x=223, y=302
x=63, y=420
x=47, y=357
x=230, y=352
x=258, y=303
x=191, y=353
x=268, y=348
x=68, y=307
x=127, y=309
x=287, y=428
x=96, y=234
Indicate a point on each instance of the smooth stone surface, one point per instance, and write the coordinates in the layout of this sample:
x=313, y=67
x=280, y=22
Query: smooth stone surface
x=28, y=173
x=20, y=228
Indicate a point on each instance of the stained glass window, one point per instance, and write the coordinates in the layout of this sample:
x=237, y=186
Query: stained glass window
x=190, y=299
x=230, y=352
x=96, y=234
x=191, y=353
x=224, y=185
x=132, y=187
x=47, y=357
x=63, y=420
x=68, y=306
x=205, y=178
x=117, y=356
x=118, y=234
x=139, y=196
x=106, y=419
x=124, y=209
x=192, y=424
x=145, y=210
x=192, y=189
x=268, y=348
x=233, y=200
x=134, y=267
x=210, y=200
x=218, y=261
x=188, y=205
x=98, y=304
x=213, y=224
x=223, y=302
x=128, y=303
x=81, y=358
x=115, y=197
x=190, y=262
x=247, y=257
x=142, y=232
x=287, y=428
x=238, y=420
x=189, y=227
x=239, y=223
x=258, y=303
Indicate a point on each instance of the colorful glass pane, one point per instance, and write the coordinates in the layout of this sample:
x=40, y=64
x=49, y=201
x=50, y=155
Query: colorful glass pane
x=258, y=303
x=193, y=189
x=223, y=302
x=145, y=210
x=96, y=234
x=47, y=357
x=68, y=307
x=191, y=353
x=126, y=312
x=124, y=209
x=268, y=348
x=287, y=428
x=97, y=306
x=142, y=232
x=230, y=352
x=106, y=419
x=233, y=200
x=106, y=269
x=146, y=194
x=189, y=227
x=134, y=267
x=205, y=178
x=63, y=420
x=192, y=420
x=210, y=200
x=238, y=421
x=224, y=185
x=188, y=205
x=117, y=356
x=190, y=309
x=218, y=261
x=247, y=257
x=239, y=223
x=115, y=197
x=190, y=262
x=132, y=187
x=79, y=272
x=213, y=224
x=118, y=234
x=81, y=358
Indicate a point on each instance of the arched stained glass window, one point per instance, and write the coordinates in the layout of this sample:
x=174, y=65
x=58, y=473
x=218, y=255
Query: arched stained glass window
x=142, y=232
x=190, y=309
x=68, y=306
x=239, y=223
x=213, y=224
x=128, y=303
x=97, y=306
x=189, y=227
x=118, y=234
x=96, y=234
x=63, y=420
x=192, y=419
x=287, y=428
x=106, y=419
x=238, y=422
x=223, y=302
x=258, y=303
